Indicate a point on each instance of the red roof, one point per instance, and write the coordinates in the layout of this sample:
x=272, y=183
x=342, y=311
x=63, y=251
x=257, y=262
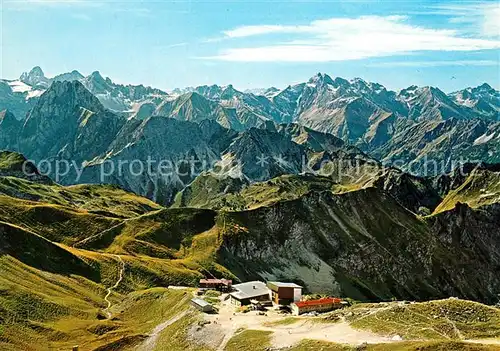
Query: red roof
x=324, y=301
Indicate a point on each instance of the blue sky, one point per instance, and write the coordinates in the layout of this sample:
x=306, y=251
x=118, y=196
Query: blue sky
x=252, y=44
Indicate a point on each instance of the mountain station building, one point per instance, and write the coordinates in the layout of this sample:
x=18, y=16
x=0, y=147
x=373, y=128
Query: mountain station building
x=246, y=292
x=284, y=293
x=202, y=305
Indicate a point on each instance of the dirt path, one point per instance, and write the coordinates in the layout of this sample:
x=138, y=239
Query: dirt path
x=228, y=334
x=150, y=343
x=109, y=290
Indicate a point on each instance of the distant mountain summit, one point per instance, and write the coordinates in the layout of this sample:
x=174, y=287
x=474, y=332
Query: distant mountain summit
x=67, y=122
x=482, y=99
x=70, y=76
x=116, y=97
x=35, y=78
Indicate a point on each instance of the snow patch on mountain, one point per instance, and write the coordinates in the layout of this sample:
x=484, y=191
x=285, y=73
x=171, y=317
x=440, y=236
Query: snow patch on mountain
x=483, y=139
x=19, y=87
x=34, y=94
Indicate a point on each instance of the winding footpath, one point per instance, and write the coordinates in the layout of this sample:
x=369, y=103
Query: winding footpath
x=109, y=290
x=150, y=343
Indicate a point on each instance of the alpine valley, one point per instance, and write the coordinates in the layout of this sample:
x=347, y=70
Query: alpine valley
x=341, y=186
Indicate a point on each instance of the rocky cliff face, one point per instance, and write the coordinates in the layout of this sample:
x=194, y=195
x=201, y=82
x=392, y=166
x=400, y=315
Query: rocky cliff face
x=385, y=123
x=365, y=245
x=156, y=158
x=435, y=147
x=17, y=97
x=9, y=127
x=68, y=122
x=420, y=130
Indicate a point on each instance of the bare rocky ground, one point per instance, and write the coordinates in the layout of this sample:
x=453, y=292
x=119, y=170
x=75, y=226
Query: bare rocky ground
x=221, y=327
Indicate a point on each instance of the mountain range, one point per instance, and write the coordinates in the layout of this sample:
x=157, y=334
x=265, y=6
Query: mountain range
x=421, y=130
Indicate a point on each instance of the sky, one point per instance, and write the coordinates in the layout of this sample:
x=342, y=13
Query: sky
x=255, y=44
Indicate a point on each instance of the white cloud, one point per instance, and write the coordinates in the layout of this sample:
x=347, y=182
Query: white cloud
x=247, y=31
x=339, y=39
x=480, y=18
x=434, y=63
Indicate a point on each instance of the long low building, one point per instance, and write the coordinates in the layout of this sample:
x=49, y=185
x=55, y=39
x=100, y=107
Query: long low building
x=246, y=292
x=202, y=305
x=320, y=305
x=217, y=284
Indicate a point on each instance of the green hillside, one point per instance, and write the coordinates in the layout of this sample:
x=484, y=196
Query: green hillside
x=440, y=319
x=481, y=187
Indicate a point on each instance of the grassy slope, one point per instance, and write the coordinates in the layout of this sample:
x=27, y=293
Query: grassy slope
x=54, y=222
x=481, y=187
x=250, y=340
x=68, y=314
x=312, y=345
x=107, y=200
x=60, y=299
x=437, y=320
x=209, y=191
x=11, y=160
x=100, y=199
x=30, y=306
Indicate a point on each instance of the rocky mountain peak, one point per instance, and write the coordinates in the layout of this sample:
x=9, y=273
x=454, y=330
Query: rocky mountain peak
x=484, y=87
x=320, y=79
x=73, y=75
x=96, y=83
x=229, y=92
x=340, y=82
x=34, y=77
x=67, y=95
x=35, y=72
x=96, y=76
